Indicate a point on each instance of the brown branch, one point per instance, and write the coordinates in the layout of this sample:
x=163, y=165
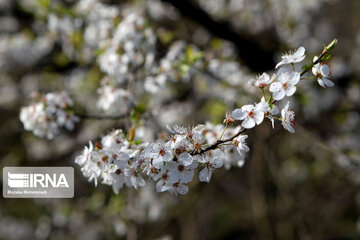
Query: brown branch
x=316, y=62
x=219, y=142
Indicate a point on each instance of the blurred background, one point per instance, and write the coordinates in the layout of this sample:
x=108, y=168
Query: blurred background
x=293, y=186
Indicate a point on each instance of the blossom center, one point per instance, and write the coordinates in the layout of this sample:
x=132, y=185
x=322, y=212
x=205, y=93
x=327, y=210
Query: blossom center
x=153, y=170
x=179, y=150
x=134, y=173
x=181, y=168
x=164, y=176
x=262, y=85
x=105, y=158
x=197, y=146
x=162, y=152
x=251, y=114
x=190, y=134
x=292, y=117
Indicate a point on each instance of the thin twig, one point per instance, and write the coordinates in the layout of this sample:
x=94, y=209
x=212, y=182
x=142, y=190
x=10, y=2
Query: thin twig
x=316, y=62
x=218, y=142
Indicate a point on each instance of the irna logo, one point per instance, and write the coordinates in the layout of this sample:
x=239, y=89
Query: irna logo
x=20, y=180
x=38, y=182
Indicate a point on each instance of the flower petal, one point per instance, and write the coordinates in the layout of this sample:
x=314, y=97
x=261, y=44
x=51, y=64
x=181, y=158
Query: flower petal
x=325, y=71
x=248, y=123
x=294, y=78
x=185, y=159
x=259, y=117
x=321, y=82
x=275, y=87
x=205, y=175
x=279, y=95
x=328, y=83
x=238, y=114
x=183, y=189
x=290, y=91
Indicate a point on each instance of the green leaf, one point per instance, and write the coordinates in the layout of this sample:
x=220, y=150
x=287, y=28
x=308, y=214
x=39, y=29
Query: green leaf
x=326, y=57
x=192, y=56
x=99, y=51
x=307, y=67
x=332, y=44
x=140, y=108
x=137, y=111
x=184, y=68
x=44, y=3
x=77, y=39
x=269, y=100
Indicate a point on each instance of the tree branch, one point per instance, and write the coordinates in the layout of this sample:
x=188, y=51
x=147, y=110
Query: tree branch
x=218, y=142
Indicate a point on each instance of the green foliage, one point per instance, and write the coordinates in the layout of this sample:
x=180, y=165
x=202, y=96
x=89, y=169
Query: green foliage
x=137, y=111
x=99, y=51
x=44, y=3
x=61, y=59
x=307, y=67
x=191, y=57
x=326, y=57
x=116, y=205
x=331, y=45
x=166, y=37
x=216, y=110
x=77, y=39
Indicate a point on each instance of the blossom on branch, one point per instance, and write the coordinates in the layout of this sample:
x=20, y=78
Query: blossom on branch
x=250, y=114
x=288, y=118
x=48, y=114
x=322, y=74
x=291, y=58
x=285, y=84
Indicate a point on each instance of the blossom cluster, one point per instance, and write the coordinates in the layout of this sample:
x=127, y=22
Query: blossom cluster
x=121, y=160
x=131, y=48
x=48, y=114
x=172, y=163
x=127, y=56
x=280, y=85
x=132, y=45
x=112, y=99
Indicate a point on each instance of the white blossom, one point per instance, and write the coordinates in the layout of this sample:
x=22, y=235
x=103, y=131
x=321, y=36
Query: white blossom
x=261, y=81
x=160, y=153
x=250, y=114
x=285, y=84
x=176, y=188
x=135, y=178
x=48, y=114
x=178, y=172
x=212, y=160
x=270, y=111
x=291, y=58
x=322, y=74
x=113, y=100
x=288, y=118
